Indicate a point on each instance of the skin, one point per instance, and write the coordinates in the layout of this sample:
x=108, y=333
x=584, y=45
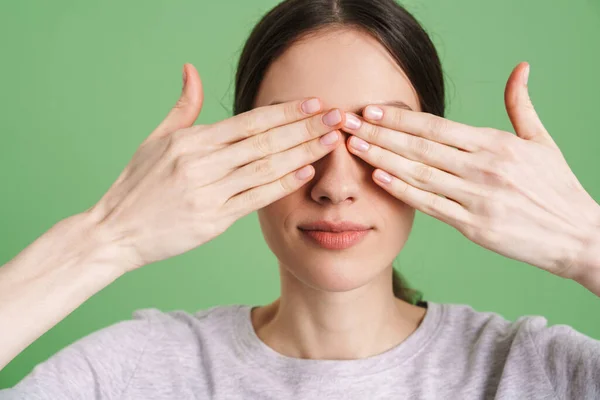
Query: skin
x=186, y=184
x=337, y=304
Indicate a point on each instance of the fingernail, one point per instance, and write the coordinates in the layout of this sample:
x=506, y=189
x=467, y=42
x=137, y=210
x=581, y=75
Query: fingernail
x=372, y=112
x=383, y=176
x=526, y=74
x=332, y=118
x=359, y=144
x=329, y=139
x=184, y=75
x=304, y=172
x=352, y=122
x=311, y=106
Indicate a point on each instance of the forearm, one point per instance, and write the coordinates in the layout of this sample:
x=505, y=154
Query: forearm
x=589, y=264
x=51, y=278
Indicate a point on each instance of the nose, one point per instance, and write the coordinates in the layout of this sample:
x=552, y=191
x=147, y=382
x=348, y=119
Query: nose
x=338, y=178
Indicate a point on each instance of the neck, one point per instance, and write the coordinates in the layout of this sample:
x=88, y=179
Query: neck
x=314, y=324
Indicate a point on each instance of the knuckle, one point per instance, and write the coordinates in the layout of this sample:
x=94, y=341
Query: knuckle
x=422, y=173
x=499, y=137
x=290, y=111
x=198, y=203
x=185, y=140
x=263, y=143
x=312, y=127
x=372, y=131
x=479, y=195
x=491, y=138
x=182, y=169
x=286, y=185
x=507, y=147
x=475, y=233
x=396, y=117
x=263, y=167
x=497, y=171
x=252, y=198
x=460, y=220
x=494, y=211
x=491, y=232
x=434, y=204
x=472, y=165
x=491, y=132
x=468, y=228
x=420, y=146
x=437, y=125
x=483, y=229
x=250, y=123
x=181, y=103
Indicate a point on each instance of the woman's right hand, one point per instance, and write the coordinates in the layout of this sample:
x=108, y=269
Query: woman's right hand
x=187, y=184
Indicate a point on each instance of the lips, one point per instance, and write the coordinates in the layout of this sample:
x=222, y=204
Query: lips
x=335, y=235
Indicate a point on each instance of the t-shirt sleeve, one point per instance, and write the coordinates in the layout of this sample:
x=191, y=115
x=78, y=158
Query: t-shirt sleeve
x=570, y=359
x=98, y=366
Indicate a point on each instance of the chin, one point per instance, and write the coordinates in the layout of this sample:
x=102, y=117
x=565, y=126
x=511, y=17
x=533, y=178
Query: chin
x=334, y=271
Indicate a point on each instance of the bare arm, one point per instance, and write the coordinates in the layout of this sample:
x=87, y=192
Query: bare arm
x=51, y=278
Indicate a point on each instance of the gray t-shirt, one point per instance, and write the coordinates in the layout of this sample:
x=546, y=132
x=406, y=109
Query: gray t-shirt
x=456, y=353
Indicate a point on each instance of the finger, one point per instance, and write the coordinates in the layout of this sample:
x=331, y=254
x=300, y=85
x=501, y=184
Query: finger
x=271, y=168
x=275, y=140
x=261, y=196
x=261, y=119
x=188, y=107
x=446, y=210
x=520, y=109
x=427, y=126
x=414, y=173
x=411, y=147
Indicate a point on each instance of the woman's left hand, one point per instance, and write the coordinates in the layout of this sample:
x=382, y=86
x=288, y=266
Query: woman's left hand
x=514, y=195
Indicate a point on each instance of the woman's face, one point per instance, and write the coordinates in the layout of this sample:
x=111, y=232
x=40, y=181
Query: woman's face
x=347, y=69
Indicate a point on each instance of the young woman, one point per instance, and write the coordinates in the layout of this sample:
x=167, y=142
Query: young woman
x=338, y=138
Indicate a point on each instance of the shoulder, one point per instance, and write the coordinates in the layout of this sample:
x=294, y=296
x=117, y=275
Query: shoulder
x=470, y=327
x=180, y=326
x=529, y=330
x=152, y=327
x=182, y=321
x=107, y=360
x=557, y=356
x=534, y=330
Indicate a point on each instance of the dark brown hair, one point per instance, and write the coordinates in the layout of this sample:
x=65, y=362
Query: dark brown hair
x=385, y=20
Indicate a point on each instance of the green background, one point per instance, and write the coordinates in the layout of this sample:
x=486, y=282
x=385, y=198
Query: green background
x=83, y=83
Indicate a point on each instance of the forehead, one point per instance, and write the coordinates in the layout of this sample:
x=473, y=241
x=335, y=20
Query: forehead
x=345, y=68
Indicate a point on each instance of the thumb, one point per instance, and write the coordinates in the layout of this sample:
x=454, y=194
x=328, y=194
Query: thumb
x=186, y=110
x=520, y=109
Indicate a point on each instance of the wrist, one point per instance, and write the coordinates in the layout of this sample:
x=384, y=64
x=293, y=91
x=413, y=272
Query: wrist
x=104, y=246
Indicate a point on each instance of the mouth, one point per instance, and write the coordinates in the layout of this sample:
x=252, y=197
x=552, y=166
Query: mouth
x=334, y=236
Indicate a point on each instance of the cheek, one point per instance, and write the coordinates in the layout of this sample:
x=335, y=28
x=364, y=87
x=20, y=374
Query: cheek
x=275, y=219
x=275, y=215
x=397, y=217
